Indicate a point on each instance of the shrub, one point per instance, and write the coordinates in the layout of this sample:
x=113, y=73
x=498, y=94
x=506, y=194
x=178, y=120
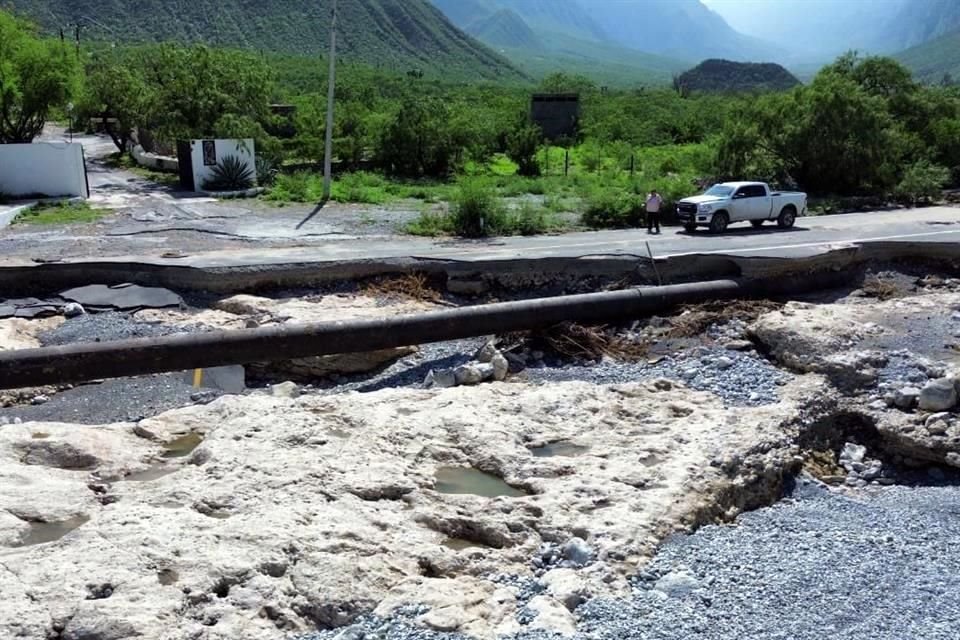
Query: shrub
x=302, y=186
x=230, y=174
x=430, y=223
x=922, y=182
x=477, y=211
x=266, y=171
x=522, y=145
x=606, y=208
x=531, y=219
x=362, y=188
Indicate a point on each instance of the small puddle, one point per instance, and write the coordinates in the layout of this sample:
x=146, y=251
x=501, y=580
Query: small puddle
x=182, y=446
x=155, y=472
x=168, y=577
x=40, y=436
x=470, y=481
x=42, y=532
x=460, y=544
x=562, y=449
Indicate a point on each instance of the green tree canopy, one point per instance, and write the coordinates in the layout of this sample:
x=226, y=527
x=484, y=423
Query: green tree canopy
x=36, y=76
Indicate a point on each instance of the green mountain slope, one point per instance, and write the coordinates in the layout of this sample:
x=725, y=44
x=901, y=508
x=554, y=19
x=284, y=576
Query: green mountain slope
x=400, y=34
x=724, y=76
x=505, y=29
x=932, y=60
x=565, y=38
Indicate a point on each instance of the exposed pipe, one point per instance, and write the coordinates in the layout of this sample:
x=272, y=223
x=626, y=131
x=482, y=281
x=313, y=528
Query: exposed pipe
x=95, y=361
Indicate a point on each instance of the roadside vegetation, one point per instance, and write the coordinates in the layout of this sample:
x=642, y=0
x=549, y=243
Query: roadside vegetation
x=861, y=131
x=55, y=213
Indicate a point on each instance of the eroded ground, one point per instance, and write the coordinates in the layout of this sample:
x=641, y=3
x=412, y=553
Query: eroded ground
x=365, y=504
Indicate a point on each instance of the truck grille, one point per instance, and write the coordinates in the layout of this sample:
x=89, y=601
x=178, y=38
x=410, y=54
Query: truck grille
x=687, y=209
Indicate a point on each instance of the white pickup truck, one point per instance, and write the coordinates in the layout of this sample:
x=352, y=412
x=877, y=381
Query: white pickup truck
x=729, y=202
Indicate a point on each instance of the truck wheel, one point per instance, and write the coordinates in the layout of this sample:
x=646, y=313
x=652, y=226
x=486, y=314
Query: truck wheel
x=787, y=217
x=719, y=222
x=757, y=223
x=689, y=228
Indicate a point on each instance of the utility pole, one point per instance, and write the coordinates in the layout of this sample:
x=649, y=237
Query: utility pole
x=331, y=92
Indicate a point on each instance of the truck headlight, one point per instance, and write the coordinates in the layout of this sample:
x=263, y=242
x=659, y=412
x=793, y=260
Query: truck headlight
x=706, y=208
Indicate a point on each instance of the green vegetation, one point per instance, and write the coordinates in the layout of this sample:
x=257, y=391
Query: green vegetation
x=70, y=212
x=724, y=76
x=230, y=174
x=862, y=127
x=477, y=210
x=36, y=77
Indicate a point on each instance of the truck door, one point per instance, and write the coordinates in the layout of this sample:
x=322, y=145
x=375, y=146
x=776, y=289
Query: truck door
x=759, y=202
x=740, y=205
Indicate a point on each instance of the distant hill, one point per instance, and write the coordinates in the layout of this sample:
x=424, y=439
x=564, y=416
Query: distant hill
x=931, y=61
x=504, y=29
x=401, y=34
x=724, y=76
x=683, y=29
x=920, y=21
x=560, y=35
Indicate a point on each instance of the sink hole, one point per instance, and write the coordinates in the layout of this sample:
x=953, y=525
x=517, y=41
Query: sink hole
x=182, y=446
x=562, y=449
x=470, y=481
x=43, y=532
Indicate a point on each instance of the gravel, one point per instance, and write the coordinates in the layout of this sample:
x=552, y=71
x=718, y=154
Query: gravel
x=740, y=379
x=112, y=325
x=880, y=565
x=120, y=400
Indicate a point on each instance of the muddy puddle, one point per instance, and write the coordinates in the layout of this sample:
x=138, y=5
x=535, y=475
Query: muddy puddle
x=167, y=577
x=182, y=446
x=470, y=481
x=562, y=449
x=460, y=544
x=43, y=532
x=154, y=472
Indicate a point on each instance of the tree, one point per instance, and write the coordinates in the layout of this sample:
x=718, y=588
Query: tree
x=36, y=76
x=196, y=87
x=418, y=140
x=115, y=88
x=522, y=145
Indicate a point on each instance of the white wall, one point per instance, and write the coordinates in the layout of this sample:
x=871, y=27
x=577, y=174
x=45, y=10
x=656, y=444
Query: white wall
x=242, y=149
x=50, y=169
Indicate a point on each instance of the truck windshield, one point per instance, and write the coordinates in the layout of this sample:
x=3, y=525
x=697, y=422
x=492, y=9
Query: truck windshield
x=719, y=190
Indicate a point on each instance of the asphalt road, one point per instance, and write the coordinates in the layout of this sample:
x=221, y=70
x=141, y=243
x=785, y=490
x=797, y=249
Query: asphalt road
x=152, y=224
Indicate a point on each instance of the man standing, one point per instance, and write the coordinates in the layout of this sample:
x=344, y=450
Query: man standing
x=654, y=201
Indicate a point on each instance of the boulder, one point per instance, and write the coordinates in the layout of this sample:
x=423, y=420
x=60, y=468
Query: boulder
x=473, y=373
x=938, y=395
x=73, y=309
x=440, y=379
x=552, y=616
x=501, y=367
x=906, y=398
x=677, y=584
x=287, y=389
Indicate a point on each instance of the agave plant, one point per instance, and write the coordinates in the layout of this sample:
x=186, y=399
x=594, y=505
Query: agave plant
x=230, y=174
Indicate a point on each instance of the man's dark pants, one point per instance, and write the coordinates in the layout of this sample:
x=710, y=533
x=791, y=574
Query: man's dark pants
x=653, y=220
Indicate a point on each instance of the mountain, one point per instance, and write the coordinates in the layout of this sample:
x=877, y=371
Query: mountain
x=920, y=21
x=504, y=28
x=401, y=34
x=814, y=30
x=684, y=29
x=557, y=35
x=724, y=76
x=932, y=60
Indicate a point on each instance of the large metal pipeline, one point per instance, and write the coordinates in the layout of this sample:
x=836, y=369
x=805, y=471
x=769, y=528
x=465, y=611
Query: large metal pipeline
x=95, y=361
